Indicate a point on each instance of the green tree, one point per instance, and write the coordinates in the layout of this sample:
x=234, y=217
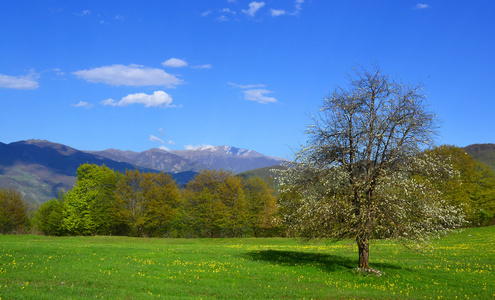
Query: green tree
x=473, y=190
x=215, y=204
x=162, y=201
x=13, y=211
x=261, y=206
x=49, y=216
x=148, y=202
x=202, y=213
x=230, y=192
x=355, y=178
x=88, y=207
x=129, y=199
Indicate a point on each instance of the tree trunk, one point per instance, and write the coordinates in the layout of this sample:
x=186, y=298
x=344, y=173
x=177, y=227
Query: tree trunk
x=364, y=251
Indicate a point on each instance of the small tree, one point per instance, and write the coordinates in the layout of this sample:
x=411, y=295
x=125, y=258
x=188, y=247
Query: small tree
x=357, y=177
x=473, y=190
x=261, y=206
x=147, y=203
x=215, y=204
x=13, y=211
x=87, y=208
x=49, y=216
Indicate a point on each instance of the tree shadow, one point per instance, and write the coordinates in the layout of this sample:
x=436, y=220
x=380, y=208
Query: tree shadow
x=326, y=262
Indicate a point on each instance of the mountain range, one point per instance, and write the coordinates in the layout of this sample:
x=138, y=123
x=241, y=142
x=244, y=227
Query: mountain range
x=40, y=169
x=207, y=157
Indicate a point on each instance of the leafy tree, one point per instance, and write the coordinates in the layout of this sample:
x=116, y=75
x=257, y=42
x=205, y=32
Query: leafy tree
x=230, y=192
x=148, y=202
x=202, y=213
x=13, y=211
x=87, y=208
x=261, y=206
x=215, y=204
x=162, y=202
x=129, y=199
x=358, y=176
x=49, y=216
x=473, y=190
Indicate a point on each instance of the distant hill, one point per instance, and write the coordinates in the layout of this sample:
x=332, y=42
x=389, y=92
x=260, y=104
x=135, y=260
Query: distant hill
x=266, y=173
x=156, y=159
x=484, y=153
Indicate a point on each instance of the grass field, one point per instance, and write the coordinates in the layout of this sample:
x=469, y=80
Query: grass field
x=462, y=266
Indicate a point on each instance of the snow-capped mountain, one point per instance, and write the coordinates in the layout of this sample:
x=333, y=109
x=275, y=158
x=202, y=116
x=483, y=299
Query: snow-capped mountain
x=227, y=158
x=193, y=159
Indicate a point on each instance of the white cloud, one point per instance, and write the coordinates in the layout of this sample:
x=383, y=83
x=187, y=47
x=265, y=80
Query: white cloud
x=278, y=12
x=253, y=92
x=58, y=71
x=156, y=139
x=248, y=86
x=206, y=66
x=132, y=75
x=83, y=104
x=298, y=4
x=222, y=19
x=253, y=8
x=228, y=11
x=85, y=12
x=421, y=6
x=28, y=82
x=204, y=14
x=119, y=17
x=158, y=99
x=258, y=95
x=174, y=63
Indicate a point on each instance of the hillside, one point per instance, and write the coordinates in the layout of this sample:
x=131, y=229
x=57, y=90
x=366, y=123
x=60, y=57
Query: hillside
x=156, y=159
x=266, y=173
x=484, y=153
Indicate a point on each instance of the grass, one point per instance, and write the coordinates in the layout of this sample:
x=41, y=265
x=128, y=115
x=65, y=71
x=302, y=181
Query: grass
x=37, y=267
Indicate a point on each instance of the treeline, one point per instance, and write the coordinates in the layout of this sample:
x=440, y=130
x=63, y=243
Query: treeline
x=213, y=204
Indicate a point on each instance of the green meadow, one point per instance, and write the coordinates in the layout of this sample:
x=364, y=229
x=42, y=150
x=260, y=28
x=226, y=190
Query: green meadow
x=461, y=266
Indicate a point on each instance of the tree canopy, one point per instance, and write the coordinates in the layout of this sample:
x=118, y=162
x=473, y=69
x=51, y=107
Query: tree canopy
x=473, y=190
x=13, y=211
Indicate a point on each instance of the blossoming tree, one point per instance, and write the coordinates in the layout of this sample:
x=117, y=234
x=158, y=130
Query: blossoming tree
x=363, y=173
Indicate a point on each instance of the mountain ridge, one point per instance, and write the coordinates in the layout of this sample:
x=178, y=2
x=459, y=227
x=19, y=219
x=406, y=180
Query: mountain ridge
x=196, y=159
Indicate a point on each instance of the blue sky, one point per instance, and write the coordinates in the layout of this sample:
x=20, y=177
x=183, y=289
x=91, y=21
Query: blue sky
x=134, y=75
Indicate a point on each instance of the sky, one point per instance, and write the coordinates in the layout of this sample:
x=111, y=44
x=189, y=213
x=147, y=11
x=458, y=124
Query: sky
x=135, y=75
